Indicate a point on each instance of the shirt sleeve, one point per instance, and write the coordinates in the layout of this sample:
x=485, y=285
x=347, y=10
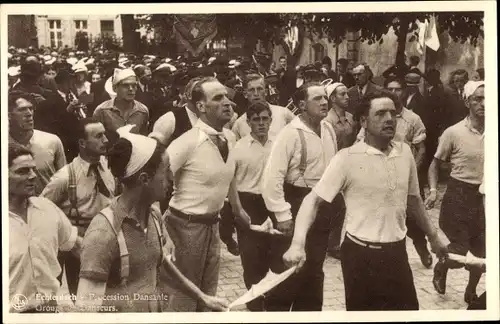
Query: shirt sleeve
x=66, y=233
x=413, y=186
x=445, y=146
x=289, y=116
x=236, y=127
x=164, y=128
x=141, y=120
x=57, y=188
x=60, y=157
x=274, y=176
x=334, y=178
x=179, y=150
x=99, y=250
x=419, y=132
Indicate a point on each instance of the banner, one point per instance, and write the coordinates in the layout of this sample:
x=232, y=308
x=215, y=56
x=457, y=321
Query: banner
x=193, y=32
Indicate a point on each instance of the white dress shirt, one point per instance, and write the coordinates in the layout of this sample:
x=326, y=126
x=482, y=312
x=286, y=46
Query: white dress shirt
x=201, y=177
x=284, y=162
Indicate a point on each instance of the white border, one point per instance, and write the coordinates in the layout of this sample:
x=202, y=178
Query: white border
x=491, y=161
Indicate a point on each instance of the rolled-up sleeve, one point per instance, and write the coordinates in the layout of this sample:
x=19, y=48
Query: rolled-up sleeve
x=445, y=146
x=413, y=186
x=334, y=178
x=67, y=233
x=274, y=175
x=100, y=247
x=164, y=128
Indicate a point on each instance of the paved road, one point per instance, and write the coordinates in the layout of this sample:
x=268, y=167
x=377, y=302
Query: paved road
x=231, y=279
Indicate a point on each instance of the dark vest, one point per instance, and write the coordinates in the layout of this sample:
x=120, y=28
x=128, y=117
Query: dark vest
x=182, y=123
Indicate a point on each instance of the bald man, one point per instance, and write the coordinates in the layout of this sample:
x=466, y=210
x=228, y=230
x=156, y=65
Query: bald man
x=363, y=76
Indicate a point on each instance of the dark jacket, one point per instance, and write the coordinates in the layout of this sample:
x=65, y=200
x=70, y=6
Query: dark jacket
x=355, y=98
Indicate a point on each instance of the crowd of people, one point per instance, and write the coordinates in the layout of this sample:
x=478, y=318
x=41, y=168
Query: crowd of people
x=128, y=172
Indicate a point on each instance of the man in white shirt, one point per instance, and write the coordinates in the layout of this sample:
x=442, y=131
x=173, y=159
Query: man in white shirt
x=250, y=156
x=202, y=176
x=255, y=90
x=82, y=188
x=378, y=179
x=297, y=160
x=38, y=229
x=462, y=216
x=47, y=149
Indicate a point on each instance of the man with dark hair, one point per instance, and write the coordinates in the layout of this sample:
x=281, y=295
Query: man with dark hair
x=202, y=176
x=250, y=155
x=343, y=74
x=255, y=90
x=363, y=76
x=298, y=158
x=83, y=187
x=378, y=180
x=47, y=149
x=37, y=231
x=462, y=216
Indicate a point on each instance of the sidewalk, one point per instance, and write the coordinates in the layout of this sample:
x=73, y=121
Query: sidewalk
x=231, y=283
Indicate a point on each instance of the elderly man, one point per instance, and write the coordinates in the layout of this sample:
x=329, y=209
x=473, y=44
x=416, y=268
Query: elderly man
x=362, y=75
x=47, y=149
x=202, y=177
x=38, y=230
x=255, y=90
x=123, y=109
x=298, y=158
x=378, y=179
x=462, y=216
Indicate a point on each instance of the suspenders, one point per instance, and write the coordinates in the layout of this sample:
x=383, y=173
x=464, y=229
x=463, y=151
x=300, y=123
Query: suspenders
x=116, y=225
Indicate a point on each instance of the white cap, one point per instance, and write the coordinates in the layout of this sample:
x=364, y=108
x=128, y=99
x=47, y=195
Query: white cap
x=167, y=60
x=108, y=86
x=51, y=61
x=90, y=61
x=143, y=149
x=72, y=60
x=79, y=67
x=47, y=58
x=166, y=65
x=14, y=71
x=211, y=60
x=471, y=87
x=120, y=75
x=331, y=88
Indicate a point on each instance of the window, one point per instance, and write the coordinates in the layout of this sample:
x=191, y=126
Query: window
x=81, y=25
x=319, y=52
x=55, y=32
x=107, y=28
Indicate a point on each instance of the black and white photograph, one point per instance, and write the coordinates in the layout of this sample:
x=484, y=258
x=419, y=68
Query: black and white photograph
x=328, y=158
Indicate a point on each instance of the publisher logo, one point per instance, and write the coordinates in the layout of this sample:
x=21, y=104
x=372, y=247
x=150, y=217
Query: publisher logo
x=19, y=302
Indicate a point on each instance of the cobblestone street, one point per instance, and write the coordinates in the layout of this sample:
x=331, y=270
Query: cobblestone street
x=231, y=283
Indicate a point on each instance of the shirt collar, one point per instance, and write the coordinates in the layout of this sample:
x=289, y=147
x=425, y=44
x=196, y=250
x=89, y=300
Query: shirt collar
x=254, y=141
x=209, y=130
x=363, y=148
x=86, y=165
x=469, y=126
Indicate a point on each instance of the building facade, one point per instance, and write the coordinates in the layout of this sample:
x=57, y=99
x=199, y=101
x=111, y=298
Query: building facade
x=60, y=30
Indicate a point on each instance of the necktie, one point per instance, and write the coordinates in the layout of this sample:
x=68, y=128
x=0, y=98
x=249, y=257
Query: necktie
x=101, y=187
x=221, y=143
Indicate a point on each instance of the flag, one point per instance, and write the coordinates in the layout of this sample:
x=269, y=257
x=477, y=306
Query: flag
x=422, y=28
x=193, y=32
x=431, y=37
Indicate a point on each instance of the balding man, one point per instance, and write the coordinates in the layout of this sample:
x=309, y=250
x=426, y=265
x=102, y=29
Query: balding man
x=363, y=76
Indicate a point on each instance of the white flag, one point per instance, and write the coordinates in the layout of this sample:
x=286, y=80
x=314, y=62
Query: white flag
x=422, y=29
x=431, y=37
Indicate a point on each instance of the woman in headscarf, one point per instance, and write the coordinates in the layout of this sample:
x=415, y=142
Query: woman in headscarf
x=126, y=245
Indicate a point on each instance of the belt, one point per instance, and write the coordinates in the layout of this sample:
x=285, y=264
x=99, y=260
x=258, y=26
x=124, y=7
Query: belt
x=372, y=245
x=207, y=219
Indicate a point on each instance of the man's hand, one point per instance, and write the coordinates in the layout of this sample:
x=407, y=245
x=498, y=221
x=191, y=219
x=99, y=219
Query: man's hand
x=286, y=227
x=296, y=255
x=431, y=200
x=242, y=218
x=438, y=246
x=215, y=303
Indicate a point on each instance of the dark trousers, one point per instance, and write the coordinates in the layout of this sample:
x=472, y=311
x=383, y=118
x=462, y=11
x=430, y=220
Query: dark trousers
x=462, y=218
x=71, y=263
x=303, y=291
x=226, y=224
x=254, y=246
x=377, y=279
x=338, y=217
